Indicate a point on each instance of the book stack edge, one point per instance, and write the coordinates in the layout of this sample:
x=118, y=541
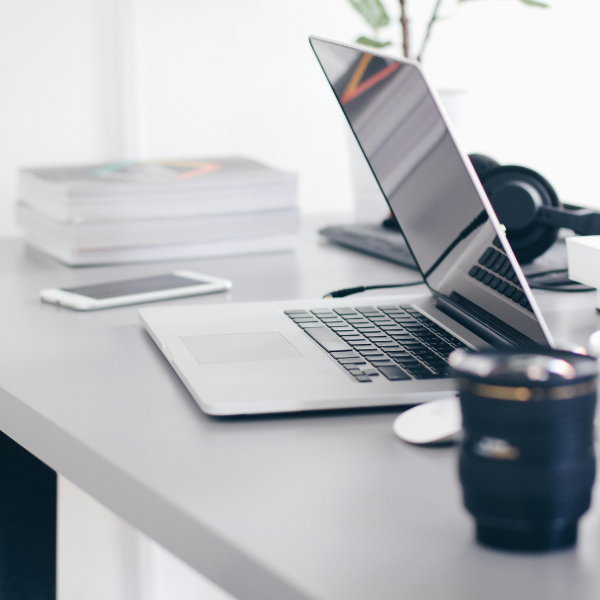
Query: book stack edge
x=160, y=210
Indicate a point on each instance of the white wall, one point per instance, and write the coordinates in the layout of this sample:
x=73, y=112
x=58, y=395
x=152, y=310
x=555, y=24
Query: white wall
x=237, y=76
x=233, y=76
x=533, y=86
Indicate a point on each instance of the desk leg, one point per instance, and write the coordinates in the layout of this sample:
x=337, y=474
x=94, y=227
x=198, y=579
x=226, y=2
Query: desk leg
x=27, y=525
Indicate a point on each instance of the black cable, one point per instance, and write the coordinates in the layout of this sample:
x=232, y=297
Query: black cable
x=363, y=288
x=559, y=286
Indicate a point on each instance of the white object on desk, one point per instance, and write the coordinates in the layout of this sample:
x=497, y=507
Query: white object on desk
x=430, y=423
x=583, y=255
x=178, y=284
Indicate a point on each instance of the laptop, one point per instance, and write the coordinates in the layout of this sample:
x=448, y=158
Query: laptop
x=276, y=357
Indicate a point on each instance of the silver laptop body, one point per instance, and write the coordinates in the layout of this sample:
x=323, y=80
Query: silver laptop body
x=281, y=357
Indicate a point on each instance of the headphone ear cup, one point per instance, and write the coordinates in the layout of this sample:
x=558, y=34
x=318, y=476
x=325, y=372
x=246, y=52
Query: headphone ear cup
x=482, y=164
x=516, y=193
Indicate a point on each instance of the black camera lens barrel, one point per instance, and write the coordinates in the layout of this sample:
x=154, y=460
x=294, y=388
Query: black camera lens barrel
x=527, y=462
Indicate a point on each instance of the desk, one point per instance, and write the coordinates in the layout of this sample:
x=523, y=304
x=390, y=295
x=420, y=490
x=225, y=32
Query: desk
x=298, y=507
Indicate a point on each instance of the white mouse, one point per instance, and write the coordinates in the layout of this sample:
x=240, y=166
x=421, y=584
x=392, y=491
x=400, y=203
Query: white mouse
x=433, y=422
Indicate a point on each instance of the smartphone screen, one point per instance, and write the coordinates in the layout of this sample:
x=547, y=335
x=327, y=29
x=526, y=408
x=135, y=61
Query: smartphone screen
x=129, y=287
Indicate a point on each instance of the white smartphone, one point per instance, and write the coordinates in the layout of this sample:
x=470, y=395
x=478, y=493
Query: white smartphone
x=134, y=291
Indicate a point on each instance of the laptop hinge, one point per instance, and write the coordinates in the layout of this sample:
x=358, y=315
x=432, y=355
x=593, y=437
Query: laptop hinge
x=474, y=323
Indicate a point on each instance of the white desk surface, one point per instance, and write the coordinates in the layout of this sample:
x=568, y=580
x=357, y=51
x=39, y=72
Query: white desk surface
x=322, y=507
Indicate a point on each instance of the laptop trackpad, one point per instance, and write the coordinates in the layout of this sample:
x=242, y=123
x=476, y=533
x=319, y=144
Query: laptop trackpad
x=240, y=347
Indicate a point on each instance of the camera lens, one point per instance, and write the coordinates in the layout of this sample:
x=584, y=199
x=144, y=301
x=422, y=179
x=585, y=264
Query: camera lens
x=527, y=461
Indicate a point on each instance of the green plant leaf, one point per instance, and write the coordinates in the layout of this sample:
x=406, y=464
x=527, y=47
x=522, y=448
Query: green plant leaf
x=365, y=41
x=535, y=3
x=372, y=11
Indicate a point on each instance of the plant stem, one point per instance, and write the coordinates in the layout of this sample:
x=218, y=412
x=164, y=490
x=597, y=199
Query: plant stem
x=405, y=29
x=432, y=20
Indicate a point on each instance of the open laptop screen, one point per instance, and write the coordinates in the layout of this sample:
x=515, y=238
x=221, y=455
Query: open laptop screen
x=428, y=187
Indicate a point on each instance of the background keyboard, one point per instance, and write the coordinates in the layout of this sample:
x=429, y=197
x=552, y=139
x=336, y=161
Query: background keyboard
x=398, y=342
x=495, y=271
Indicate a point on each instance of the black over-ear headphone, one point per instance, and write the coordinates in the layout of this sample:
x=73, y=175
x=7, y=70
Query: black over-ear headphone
x=527, y=205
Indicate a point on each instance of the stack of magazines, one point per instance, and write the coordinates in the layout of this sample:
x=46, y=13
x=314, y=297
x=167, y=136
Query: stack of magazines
x=129, y=212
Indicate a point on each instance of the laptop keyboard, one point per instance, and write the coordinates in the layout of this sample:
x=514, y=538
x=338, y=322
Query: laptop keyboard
x=396, y=342
x=495, y=271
